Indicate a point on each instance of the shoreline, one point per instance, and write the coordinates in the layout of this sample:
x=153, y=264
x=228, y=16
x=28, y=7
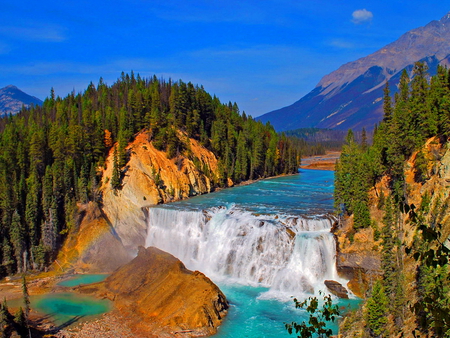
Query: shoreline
x=321, y=162
x=47, y=283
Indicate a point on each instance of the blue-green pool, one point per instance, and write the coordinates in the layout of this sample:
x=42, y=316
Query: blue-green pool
x=83, y=279
x=66, y=308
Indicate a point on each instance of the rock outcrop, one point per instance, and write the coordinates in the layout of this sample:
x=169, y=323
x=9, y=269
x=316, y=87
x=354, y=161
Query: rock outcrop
x=359, y=259
x=160, y=296
x=336, y=288
x=108, y=234
x=93, y=246
x=151, y=178
x=356, y=260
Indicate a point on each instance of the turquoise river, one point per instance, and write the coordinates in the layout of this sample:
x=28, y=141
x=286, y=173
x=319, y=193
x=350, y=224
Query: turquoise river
x=262, y=244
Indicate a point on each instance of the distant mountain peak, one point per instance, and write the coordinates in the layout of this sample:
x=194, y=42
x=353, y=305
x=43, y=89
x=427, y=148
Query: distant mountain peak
x=10, y=87
x=351, y=96
x=446, y=17
x=12, y=99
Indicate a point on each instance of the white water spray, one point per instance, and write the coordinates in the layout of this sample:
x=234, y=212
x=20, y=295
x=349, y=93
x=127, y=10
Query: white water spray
x=288, y=254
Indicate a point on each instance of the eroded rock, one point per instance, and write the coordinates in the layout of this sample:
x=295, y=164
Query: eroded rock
x=157, y=290
x=336, y=289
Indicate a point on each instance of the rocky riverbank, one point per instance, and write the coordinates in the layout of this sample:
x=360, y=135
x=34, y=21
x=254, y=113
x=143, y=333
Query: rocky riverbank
x=321, y=162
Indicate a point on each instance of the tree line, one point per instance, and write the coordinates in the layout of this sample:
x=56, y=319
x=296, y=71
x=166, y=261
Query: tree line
x=419, y=110
x=51, y=156
x=316, y=141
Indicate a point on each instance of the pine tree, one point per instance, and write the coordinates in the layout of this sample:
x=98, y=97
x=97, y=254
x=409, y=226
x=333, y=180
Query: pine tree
x=26, y=297
x=17, y=234
x=376, y=311
x=388, y=260
x=387, y=104
x=8, y=257
x=115, y=179
x=4, y=319
x=21, y=322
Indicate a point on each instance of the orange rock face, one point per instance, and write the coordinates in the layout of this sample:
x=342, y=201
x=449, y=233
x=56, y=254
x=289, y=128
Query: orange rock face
x=151, y=178
x=164, y=298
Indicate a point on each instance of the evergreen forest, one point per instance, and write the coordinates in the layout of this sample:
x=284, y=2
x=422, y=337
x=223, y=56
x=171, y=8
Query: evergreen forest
x=51, y=156
x=316, y=141
x=419, y=110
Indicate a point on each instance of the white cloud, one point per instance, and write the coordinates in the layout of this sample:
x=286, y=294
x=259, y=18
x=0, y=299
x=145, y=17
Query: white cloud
x=362, y=15
x=343, y=44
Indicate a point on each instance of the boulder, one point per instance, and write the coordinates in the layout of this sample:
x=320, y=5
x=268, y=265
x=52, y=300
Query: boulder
x=336, y=288
x=164, y=297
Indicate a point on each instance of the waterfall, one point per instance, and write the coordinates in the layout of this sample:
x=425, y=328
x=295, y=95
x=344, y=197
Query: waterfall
x=284, y=253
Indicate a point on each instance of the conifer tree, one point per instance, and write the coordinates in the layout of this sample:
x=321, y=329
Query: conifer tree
x=376, y=311
x=387, y=104
x=21, y=322
x=17, y=234
x=388, y=261
x=4, y=319
x=115, y=179
x=26, y=296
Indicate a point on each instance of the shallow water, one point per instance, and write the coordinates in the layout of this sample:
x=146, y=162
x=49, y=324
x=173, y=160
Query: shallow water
x=66, y=308
x=83, y=279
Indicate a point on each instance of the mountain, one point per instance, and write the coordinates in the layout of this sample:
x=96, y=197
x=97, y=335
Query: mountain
x=12, y=99
x=351, y=96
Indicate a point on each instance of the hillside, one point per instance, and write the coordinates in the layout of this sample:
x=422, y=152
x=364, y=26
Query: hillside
x=113, y=151
x=12, y=99
x=351, y=96
x=393, y=200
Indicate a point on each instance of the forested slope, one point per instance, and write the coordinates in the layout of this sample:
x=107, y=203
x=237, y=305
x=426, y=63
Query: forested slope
x=52, y=157
x=394, y=195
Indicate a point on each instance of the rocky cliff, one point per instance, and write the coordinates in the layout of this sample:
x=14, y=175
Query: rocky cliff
x=151, y=178
x=157, y=295
x=359, y=253
x=119, y=223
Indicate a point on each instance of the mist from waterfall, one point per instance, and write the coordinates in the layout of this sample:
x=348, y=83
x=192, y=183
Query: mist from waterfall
x=261, y=244
x=288, y=254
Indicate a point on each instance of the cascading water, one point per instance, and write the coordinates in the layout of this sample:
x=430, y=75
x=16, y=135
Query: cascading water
x=257, y=249
x=284, y=253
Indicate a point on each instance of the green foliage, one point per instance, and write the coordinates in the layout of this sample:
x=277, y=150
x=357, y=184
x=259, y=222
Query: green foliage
x=21, y=323
x=26, y=296
x=420, y=110
x=432, y=252
x=318, y=318
x=115, y=179
x=351, y=183
x=421, y=167
x=376, y=310
x=50, y=156
x=4, y=319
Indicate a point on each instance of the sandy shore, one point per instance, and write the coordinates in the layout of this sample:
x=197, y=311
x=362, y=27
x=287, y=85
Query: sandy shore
x=321, y=162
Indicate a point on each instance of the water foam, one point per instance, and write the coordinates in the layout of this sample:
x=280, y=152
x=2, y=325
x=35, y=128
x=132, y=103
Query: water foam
x=288, y=254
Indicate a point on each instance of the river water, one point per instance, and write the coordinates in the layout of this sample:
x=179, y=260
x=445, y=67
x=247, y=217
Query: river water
x=262, y=244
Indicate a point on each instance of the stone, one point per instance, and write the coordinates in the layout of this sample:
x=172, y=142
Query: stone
x=336, y=289
x=161, y=294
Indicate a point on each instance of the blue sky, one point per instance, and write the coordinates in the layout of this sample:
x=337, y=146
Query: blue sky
x=262, y=54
